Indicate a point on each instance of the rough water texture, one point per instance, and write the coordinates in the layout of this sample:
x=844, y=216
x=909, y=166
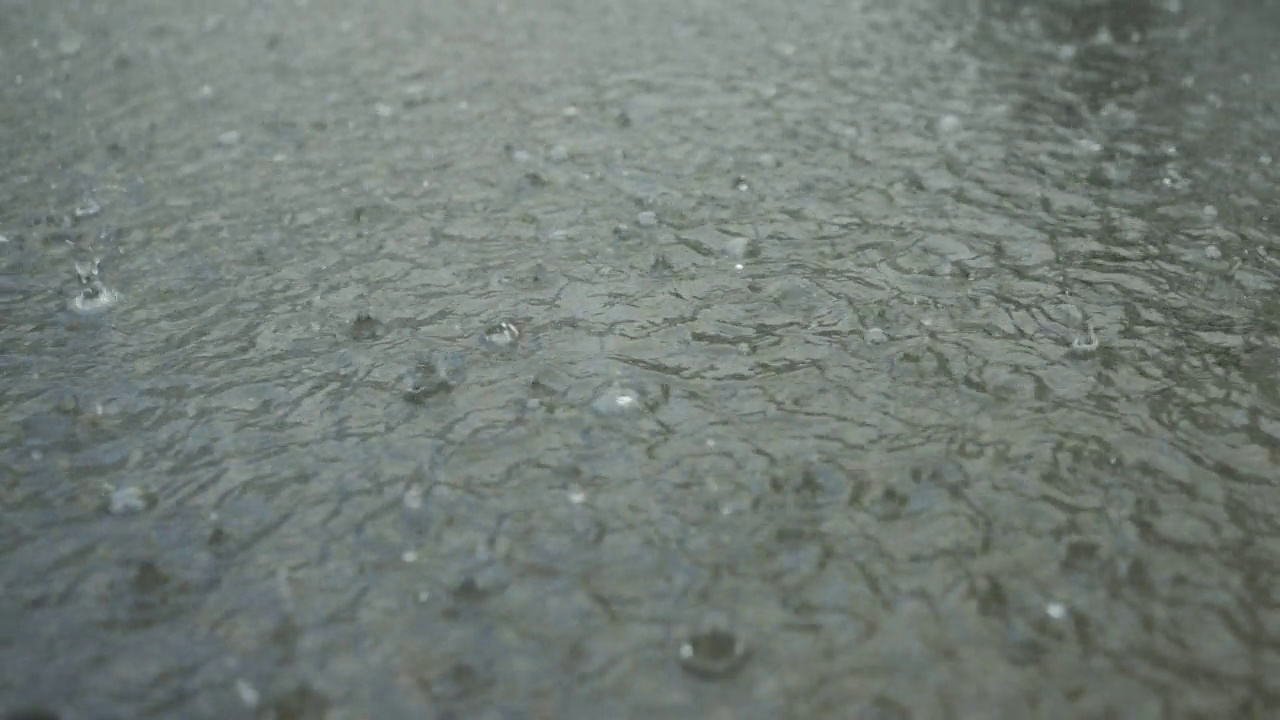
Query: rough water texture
x=569, y=359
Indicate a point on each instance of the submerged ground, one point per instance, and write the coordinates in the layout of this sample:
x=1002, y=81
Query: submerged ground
x=567, y=359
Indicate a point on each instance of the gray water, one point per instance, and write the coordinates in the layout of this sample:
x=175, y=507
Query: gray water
x=567, y=359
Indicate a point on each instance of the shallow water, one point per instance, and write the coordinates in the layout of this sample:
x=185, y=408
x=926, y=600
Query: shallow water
x=640, y=360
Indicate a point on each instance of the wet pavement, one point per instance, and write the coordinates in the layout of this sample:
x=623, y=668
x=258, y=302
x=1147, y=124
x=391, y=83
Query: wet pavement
x=586, y=360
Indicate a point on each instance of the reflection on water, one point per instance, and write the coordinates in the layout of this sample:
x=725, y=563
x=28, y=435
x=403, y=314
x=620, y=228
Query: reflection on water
x=892, y=360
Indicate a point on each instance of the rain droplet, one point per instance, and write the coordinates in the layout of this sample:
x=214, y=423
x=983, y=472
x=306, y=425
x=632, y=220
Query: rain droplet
x=127, y=501
x=88, y=209
x=736, y=247
x=948, y=124
x=616, y=401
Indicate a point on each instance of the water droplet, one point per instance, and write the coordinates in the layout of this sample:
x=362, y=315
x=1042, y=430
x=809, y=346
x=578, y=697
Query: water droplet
x=1087, y=344
x=413, y=497
x=88, y=209
x=94, y=298
x=616, y=401
x=127, y=501
x=248, y=694
x=949, y=124
x=736, y=247
x=713, y=649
